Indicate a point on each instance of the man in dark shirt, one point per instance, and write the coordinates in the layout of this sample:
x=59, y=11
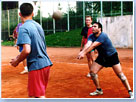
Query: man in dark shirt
x=86, y=31
x=107, y=57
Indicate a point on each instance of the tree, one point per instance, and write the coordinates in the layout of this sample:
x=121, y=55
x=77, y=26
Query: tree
x=9, y=5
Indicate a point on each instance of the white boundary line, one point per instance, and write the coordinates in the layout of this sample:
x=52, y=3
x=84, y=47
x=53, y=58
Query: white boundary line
x=69, y=63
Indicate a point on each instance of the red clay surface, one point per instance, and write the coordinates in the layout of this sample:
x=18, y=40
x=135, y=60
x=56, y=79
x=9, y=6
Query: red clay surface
x=67, y=76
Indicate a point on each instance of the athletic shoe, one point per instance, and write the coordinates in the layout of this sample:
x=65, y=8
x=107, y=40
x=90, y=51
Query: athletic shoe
x=15, y=45
x=88, y=75
x=97, y=92
x=24, y=72
x=131, y=94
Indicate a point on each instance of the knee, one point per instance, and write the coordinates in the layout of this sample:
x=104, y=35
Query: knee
x=122, y=77
x=93, y=75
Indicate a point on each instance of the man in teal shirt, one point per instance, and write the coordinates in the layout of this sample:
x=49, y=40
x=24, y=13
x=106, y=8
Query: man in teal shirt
x=32, y=38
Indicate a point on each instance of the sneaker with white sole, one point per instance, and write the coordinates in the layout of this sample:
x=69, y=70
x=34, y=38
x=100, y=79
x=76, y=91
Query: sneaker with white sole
x=24, y=72
x=131, y=94
x=97, y=92
x=88, y=75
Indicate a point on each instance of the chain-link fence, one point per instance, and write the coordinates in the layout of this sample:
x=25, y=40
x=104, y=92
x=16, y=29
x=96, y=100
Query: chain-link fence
x=8, y=22
x=74, y=13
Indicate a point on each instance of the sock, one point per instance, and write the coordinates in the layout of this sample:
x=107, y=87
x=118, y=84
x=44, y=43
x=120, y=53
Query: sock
x=25, y=68
x=129, y=91
x=99, y=89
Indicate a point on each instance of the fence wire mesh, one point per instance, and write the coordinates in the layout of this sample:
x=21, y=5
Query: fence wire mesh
x=73, y=14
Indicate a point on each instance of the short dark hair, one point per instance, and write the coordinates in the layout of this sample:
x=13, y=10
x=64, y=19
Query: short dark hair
x=26, y=9
x=99, y=25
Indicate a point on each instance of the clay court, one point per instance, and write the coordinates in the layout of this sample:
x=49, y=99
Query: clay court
x=67, y=75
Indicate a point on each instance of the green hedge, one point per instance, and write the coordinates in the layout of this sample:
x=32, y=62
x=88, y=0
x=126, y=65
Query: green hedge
x=59, y=39
x=65, y=39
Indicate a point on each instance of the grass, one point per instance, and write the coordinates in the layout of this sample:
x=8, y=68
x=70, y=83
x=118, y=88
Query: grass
x=64, y=39
x=59, y=39
x=7, y=43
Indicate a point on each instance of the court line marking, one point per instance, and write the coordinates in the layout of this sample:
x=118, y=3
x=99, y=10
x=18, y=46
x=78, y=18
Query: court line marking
x=59, y=62
x=69, y=63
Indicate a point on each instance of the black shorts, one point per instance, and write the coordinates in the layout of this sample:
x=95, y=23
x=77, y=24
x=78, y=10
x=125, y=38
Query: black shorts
x=108, y=61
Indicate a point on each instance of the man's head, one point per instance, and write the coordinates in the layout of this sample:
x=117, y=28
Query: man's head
x=88, y=21
x=97, y=27
x=26, y=9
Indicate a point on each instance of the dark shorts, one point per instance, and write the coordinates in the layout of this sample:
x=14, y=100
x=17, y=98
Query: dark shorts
x=108, y=61
x=20, y=48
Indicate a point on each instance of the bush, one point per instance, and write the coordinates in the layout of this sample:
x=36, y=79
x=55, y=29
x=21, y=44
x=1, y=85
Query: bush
x=8, y=43
x=59, y=39
x=65, y=39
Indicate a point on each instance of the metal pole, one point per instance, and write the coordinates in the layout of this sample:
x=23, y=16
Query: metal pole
x=40, y=14
x=68, y=28
x=54, y=26
x=53, y=20
x=111, y=8
x=92, y=9
x=8, y=24
x=18, y=13
x=83, y=13
x=101, y=10
x=121, y=8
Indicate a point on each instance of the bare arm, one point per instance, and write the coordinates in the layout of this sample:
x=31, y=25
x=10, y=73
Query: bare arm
x=88, y=47
x=82, y=43
x=25, y=52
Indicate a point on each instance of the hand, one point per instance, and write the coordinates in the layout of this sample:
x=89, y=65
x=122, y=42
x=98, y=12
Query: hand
x=81, y=49
x=80, y=55
x=14, y=62
x=18, y=47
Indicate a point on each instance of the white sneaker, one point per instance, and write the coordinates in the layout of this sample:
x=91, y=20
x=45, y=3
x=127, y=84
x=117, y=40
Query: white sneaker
x=131, y=94
x=88, y=75
x=15, y=45
x=97, y=92
x=24, y=72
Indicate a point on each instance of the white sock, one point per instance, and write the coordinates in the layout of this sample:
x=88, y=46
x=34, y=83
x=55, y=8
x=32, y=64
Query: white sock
x=25, y=68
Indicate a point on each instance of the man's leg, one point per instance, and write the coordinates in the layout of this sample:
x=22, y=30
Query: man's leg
x=90, y=59
x=118, y=70
x=25, y=67
x=94, y=69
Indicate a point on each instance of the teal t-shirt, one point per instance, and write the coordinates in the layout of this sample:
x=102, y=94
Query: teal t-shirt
x=32, y=33
x=106, y=48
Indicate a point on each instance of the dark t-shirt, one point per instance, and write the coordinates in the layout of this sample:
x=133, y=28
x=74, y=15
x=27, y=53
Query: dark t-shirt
x=86, y=32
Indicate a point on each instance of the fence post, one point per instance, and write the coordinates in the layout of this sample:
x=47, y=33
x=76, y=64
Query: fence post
x=54, y=26
x=121, y=8
x=8, y=24
x=40, y=14
x=92, y=9
x=53, y=20
x=68, y=28
x=83, y=13
x=101, y=10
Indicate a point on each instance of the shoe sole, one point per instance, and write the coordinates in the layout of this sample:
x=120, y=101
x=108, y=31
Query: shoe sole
x=96, y=94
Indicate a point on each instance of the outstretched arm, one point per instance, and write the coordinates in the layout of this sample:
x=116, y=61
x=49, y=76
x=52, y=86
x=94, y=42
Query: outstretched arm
x=87, y=45
x=88, y=48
